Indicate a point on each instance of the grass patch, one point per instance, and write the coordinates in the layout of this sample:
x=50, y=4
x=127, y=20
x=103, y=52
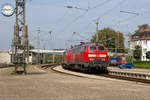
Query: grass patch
x=17, y=73
x=12, y=73
x=140, y=65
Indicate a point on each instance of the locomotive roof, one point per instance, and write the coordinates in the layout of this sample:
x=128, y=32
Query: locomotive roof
x=88, y=43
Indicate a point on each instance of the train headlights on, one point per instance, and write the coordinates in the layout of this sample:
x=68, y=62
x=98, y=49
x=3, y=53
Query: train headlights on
x=91, y=55
x=102, y=55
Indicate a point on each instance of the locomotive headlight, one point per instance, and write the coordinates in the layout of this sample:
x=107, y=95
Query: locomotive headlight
x=91, y=55
x=102, y=55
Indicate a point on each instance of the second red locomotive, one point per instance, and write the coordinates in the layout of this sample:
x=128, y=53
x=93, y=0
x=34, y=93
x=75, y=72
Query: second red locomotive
x=86, y=57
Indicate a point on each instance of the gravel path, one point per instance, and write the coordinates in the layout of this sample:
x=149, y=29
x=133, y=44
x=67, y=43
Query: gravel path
x=50, y=85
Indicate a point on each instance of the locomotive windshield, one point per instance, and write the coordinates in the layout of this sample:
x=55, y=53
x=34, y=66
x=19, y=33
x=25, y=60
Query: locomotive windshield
x=93, y=48
x=99, y=48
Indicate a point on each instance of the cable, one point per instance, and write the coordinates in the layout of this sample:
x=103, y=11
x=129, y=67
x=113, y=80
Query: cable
x=87, y=26
x=80, y=16
x=109, y=10
x=101, y=4
x=81, y=36
x=106, y=11
x=72, y=22
x=124, y=20
x=59, y=20
x=77, y=18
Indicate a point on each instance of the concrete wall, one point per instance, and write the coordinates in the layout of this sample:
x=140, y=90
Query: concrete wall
x=4, y=56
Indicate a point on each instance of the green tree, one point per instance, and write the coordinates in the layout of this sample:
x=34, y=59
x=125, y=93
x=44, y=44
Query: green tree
x=31, y=47
x=126, y=50
x=148, y=55
x=137, y=53
x=111, y=39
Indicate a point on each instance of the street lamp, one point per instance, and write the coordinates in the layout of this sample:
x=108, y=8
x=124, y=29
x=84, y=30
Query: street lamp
x=76, y=8
x=129, y=12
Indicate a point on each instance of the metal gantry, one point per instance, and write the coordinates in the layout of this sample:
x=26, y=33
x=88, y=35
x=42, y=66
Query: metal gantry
x=20, y=52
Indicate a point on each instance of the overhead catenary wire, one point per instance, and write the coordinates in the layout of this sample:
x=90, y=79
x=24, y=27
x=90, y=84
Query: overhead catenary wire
x=59, y=21
x=81, y=36
x=106, y=1
x=90, y=8
x=72, y=22
x=43, y=38
x=80, y=16
x=99, y=5
x=109, y=10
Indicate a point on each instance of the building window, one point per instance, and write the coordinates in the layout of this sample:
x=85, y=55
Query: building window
x=140, y=42
x=136, y=37
x=145, y=42
x=147, y=35
x=143, y=57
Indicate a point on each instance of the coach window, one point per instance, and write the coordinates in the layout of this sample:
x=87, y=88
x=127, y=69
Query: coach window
x=93, y=48
x=101, y=48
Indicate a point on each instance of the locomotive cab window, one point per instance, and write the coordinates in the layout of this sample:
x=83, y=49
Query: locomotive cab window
x=83, y=48
x=101, y=48
x=93, y=48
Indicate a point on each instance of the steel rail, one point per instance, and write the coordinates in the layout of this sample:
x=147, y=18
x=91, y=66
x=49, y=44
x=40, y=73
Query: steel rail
x=109, y=75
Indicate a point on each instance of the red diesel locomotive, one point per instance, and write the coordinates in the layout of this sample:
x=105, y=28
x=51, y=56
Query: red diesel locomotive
x=86, y=57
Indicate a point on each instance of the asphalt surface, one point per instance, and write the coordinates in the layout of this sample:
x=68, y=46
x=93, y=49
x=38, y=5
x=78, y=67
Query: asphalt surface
x=50, y=85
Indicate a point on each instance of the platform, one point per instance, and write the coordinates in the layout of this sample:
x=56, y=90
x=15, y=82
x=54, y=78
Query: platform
x=132, y=70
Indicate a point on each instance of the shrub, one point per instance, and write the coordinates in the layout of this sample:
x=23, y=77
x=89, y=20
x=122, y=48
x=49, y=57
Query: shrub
x=148, y=55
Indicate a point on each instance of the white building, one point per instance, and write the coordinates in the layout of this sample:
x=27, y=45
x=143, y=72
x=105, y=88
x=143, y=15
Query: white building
x=4, y=56
x=36, y=54
x=141, y=38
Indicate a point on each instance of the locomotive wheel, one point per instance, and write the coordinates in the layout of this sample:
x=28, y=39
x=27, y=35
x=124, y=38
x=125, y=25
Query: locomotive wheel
x=106, y=71
x=63, y=65
x=85, y=70
x=81, y=68
x=90, y=70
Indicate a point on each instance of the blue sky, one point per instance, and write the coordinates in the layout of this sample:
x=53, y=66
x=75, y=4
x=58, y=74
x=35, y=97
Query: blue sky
x=51, y=15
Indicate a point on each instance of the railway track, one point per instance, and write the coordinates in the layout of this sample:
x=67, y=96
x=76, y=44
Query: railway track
x=6, y=67
x=49, y=66
x=109, y=75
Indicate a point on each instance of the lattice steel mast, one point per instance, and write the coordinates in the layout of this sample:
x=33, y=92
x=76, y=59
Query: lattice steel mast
x=20, y=50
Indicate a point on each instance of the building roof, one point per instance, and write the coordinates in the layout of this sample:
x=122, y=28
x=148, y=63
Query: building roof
x=143, y=33
x=47, y=51
x=42, y=51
